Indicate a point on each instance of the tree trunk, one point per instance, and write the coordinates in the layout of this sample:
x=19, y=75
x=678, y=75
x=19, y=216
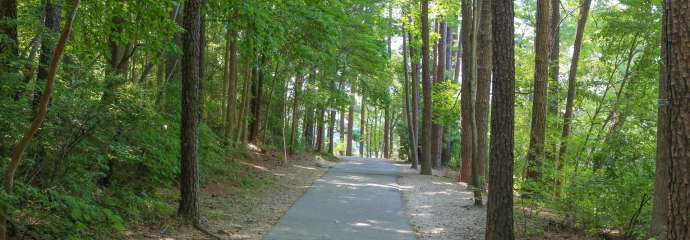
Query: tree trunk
x=320, y=131
x=458, y=56
x=308, y=128
x=475, y=183
x=663, y=152
x=257, y=89
x=677, y=76
x=299, y=82
x=499, y=212
x=341, y=127
x=409, y=108
x=449, y=52
x=484, y=67
x=192, y=60
x=244, y=108
x=231, y=79
x=386, y=133
x=414, y=112
x=350, y=126
x=437, y=134
x=362, y=125
x=554, y=84
x=52, y=24
x=570, y=99
x=535, y=153
x=466, y=95
x=331, y=131
x=28, y=69
x=426, y=90
x=9, y=50
x=48, y=41
x=447, y=143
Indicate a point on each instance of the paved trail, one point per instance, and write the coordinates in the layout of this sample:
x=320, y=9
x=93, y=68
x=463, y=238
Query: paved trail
x=356, y=199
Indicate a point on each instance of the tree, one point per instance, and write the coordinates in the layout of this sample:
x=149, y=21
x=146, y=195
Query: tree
x=299, y=82
x=409, y=107
x=437, y=134
x=663, y=152
x=553, y=84
x=676, y=69
x=570, y=99
x=257, y=93
x=350, y=126
x=466, y=100
x=414, y=91
x=426, y=92
x=484, y=66
x=535, y=153
x=499, y=212
x=8, y=28
x=52, y=24
x=386, y=132
x=362, y=124
x=331, y=131
x=41, y=111
x=192, y=60
x=230, y=75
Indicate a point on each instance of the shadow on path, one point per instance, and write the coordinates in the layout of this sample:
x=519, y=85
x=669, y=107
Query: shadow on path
x=356, y=199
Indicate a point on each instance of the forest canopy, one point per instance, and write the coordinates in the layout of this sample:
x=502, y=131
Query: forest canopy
x=108, y=107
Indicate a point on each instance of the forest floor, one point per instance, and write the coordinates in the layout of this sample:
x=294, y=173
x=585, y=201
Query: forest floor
x=247, y=207
x=440, y=208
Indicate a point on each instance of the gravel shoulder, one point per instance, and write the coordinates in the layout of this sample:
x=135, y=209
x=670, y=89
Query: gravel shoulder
x=440, y=208
x=234, y=211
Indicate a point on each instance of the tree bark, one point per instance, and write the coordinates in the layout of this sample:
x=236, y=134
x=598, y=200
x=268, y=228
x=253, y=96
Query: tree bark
x=244, y=102
x=257, y=92
x=466, y=96
x=192, y=59
x=52, y=24
x=449, y=52
x=426, y=91
x=9, y=49
x=661, y=180
x=299, y=82
x=499, y=219
x=362, y=126
x=554, y=84
x=484, y=68
x=414, y=74
x=331, y=131
x=437, y=134
x=320, y=131
x=341, y=127
x=535, y=153
x=570, y=99
x=677, y=75
x=475, y=182
x=308, y=128
x=414, y=91
x=350, y=126
x=409, y=108
x=458, y=56
x=231, y=79
x=386, y=132
x=447, y=143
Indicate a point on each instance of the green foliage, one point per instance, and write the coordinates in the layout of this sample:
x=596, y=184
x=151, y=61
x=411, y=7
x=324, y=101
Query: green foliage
x=445, y=103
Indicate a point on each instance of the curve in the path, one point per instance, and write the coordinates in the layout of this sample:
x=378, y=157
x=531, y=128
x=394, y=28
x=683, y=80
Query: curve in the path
x=355, y=199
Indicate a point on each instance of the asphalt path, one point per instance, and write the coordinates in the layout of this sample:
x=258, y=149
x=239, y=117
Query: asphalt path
x=356, y=199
